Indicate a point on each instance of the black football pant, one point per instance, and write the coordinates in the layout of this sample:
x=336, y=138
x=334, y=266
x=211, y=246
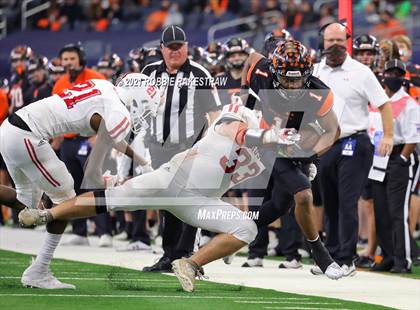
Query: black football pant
x=343, y=179
x=391, y=204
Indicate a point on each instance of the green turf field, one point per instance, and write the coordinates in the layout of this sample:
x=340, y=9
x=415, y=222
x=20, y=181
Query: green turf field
x=105, y=287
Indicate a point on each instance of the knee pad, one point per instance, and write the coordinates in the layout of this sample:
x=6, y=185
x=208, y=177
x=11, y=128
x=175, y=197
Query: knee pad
x=247, y=231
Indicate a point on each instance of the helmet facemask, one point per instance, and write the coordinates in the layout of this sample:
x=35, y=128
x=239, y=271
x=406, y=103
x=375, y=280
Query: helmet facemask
x=291, y=67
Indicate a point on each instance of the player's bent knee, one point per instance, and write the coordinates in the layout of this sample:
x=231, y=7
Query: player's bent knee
x=304, y=198
x=246, y=232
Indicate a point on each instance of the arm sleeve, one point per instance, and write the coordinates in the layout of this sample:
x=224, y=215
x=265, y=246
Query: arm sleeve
x=373, y=90
x=117, y=123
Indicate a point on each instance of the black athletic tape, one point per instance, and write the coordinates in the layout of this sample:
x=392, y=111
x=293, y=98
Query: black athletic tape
x=320, y=254
x=100, y=204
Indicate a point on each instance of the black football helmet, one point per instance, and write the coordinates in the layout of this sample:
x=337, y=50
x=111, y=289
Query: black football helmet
x=235, y=45
x=291, y=67
x=366, y=42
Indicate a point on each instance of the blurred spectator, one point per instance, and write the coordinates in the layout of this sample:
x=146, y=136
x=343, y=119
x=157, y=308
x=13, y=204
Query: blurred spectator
x=404, y=47
x=218, y=7
x=326, y=15
x=388, y=27
x=55, y=70
x=174, y=16
x=51, y=20
x=19, y=80
x=70, y=12
x=95, y=14
x=156, y=19
x=111, y=66
x=37, y=74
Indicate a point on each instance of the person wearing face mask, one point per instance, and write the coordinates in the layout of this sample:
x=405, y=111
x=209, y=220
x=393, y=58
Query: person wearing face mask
x=391, y=196
x=345, y=167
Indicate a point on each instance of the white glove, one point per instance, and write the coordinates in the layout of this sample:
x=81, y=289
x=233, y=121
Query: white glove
x=144, y=169
x=285, y=136
x=109, y=179
x=313, y=171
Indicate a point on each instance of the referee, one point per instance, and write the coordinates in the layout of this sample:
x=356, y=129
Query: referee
x=189, y=98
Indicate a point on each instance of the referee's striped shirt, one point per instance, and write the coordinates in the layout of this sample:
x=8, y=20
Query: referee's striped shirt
x=182, y=117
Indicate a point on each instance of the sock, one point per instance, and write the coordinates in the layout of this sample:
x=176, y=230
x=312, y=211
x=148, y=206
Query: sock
x=46, y=252
x=320, y=254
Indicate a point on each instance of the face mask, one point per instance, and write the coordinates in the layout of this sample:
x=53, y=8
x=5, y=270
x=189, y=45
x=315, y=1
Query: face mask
x=393, y=83
x=336, y=54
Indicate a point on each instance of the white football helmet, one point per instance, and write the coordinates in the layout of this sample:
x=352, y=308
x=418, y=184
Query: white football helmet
x=141, y=98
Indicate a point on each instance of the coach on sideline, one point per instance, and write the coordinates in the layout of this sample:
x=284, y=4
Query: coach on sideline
x=189, y=96
x=345, y=167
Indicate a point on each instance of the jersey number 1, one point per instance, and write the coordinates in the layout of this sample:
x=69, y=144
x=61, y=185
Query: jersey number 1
x=79, y=92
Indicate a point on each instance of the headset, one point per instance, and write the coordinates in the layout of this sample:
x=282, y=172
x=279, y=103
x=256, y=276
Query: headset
x=78, y=48
x=322, y=30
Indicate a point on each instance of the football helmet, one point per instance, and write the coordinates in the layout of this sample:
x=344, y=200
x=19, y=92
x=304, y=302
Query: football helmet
x=291, y=67
x=141, y=98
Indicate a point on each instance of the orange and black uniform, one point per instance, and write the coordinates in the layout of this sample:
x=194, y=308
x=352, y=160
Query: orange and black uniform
x=288, y=176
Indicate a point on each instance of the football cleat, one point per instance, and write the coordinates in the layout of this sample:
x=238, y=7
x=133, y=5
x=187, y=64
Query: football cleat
x=34, y=217
x=34, y=278
x=186, y=271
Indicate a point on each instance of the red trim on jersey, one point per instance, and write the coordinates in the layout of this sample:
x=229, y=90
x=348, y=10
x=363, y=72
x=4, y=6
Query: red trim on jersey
x=235, y=110
x=38, y=164
x=118, y=126
x=120, y=131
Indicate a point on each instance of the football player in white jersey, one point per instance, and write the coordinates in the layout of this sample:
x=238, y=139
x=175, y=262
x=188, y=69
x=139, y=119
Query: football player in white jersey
x=190, y=186
x=90, y=108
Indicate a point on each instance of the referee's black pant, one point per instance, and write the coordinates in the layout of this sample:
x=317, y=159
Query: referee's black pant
x=391, y=203
x=342, y=179
x=177, y=237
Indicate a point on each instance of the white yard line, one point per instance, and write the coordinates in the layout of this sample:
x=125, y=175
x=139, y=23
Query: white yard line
x=138, y=296
x=398, y=292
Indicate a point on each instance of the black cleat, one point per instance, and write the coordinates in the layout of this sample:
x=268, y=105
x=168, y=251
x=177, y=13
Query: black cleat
x=164, y=264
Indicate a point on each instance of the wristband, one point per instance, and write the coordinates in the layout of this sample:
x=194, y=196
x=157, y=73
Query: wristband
x=403, y=158
x=254, y=137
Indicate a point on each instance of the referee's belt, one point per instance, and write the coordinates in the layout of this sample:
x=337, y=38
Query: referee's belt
x=18, y=122
x=354, y=135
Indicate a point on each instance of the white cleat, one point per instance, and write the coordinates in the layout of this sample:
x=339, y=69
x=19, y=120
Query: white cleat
x=105, y=241
x=349, y=271
x=76, y=240
x=123, y=236
x=334, y=271
x=34, y=278
x=229, y=259
x=33, y=217
x=293, y=264
x=186, y=271
x=253, y=262
x=134, y=246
